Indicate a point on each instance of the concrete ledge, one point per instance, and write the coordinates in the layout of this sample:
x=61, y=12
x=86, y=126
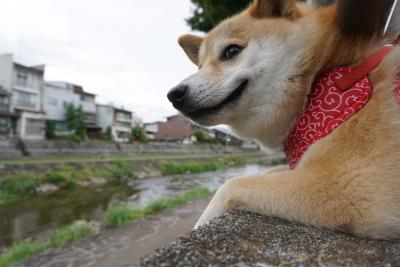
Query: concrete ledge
x=245, y=239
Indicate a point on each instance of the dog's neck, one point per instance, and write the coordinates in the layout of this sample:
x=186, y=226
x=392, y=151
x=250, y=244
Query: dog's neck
x=323, y=47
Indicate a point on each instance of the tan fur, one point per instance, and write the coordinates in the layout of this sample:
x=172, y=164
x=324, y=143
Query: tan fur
x=347, y=181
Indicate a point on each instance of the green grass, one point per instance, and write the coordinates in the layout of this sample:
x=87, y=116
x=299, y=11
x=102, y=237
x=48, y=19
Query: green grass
x=119, y=171
x=197, y=167
x=122, y=213
x=20, y=252
x=125, y=213
x=117, y=215
x=22, y=185
x=59, y=238
x=172, y=202
x=80, y=159
x=77, y=231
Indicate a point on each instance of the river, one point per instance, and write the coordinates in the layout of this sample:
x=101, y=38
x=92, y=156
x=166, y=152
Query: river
x=35, y=218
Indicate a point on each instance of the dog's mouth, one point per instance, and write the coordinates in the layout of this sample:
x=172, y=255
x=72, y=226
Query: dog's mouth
x=233, y=97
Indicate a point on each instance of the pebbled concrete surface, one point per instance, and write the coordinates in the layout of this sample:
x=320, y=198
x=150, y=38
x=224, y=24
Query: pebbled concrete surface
x=246, y=239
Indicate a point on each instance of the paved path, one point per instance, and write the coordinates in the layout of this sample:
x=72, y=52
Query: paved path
x=126, y=244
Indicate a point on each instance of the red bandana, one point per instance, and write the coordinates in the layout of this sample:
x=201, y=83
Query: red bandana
x=334, y=97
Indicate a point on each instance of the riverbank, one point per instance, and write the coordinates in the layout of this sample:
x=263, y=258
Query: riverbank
x=115, y=218
x=38, y=218
x=126, y=244
x=39, y=178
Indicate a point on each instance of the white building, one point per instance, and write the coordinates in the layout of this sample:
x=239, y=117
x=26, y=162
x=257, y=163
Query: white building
x=88, y=103
x=151, y=129
x=118, y=120
x=56, y=97
x=25, y=86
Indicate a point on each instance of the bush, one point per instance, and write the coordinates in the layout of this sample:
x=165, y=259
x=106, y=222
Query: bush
x=139, y=135
x=236, y=160
x=77, y=231
x=203, y=137
x=50, y=130
x=120, y=170
x=20, y=252
x=190, y=167
x=22, y=184
x=63, y=176
x=172, y=202
x=122, y=213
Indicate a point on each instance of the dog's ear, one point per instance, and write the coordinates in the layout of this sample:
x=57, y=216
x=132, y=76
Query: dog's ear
x=274, y=8
x=363, y=17
x=191, y=45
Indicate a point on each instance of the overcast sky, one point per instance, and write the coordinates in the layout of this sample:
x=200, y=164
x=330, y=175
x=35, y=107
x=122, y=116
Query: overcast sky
x=124, y=51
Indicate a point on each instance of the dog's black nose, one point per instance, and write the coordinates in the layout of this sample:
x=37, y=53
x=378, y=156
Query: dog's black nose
x=177, y=95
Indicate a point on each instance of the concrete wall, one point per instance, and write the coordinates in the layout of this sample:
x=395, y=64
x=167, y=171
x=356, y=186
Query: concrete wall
x=9, y=148
x=6, y=68
x=105, y=116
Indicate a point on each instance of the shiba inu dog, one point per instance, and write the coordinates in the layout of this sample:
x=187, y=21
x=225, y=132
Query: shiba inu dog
x=259, y=73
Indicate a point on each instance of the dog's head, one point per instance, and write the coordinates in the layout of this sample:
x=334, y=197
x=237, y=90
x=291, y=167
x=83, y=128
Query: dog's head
x=254, y=70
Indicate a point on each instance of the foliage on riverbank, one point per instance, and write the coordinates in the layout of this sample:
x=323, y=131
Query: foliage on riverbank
x=24, y=185
x=125, y=213
x=20, y=252
x=77, y=231
x=197, y=167
x=117, y=215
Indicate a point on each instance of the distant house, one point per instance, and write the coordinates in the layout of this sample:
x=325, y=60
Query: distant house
x=151, y=129
x=56, y=97
x=23, y=85
x=225, y=137
x=88, y=104
x=175, y=129
x=117, y=120
x=7, y=118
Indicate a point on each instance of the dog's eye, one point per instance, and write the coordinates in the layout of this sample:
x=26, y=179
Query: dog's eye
x=231, y=51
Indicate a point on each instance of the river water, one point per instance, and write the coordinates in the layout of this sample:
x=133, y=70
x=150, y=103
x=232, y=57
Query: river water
x=34, y=218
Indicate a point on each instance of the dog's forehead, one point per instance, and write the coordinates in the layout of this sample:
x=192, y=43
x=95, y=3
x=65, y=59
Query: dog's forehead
x=235, y=29
x=240, y=30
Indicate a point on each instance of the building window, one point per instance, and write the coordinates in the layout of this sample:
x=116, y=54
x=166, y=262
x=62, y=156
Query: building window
x=25, y=100
x=34, y=127
x=123, y=116
x=21, y=78
x=4, y=100
x=123, y=135
x=4, y=125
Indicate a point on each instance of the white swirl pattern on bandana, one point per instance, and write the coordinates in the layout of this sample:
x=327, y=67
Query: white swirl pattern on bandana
x=327, y=108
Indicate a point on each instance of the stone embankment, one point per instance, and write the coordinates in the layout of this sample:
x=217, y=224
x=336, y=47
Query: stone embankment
x=18, y=148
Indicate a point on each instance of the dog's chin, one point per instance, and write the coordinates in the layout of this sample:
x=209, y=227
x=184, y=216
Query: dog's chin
x=220, y=113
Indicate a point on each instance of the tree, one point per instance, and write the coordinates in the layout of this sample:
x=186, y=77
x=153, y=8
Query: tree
x=50, y=130
x=75, y=121
x=139, y=135
x=202, y=137
x=108, y=134
x=70, y=117
x=208, y=13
